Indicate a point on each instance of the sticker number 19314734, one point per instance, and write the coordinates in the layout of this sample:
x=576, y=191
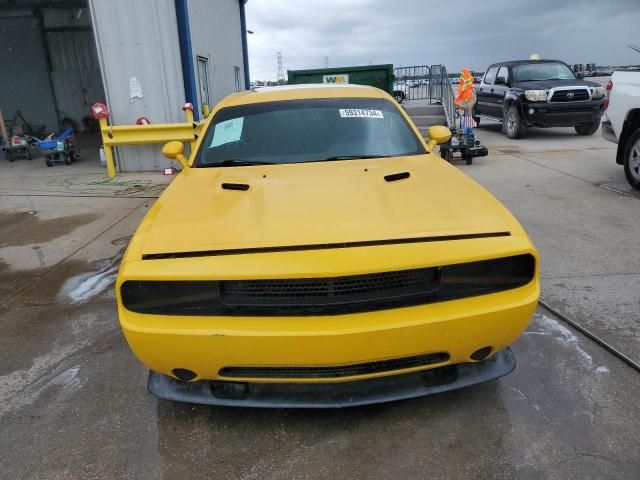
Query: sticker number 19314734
x=360, y=113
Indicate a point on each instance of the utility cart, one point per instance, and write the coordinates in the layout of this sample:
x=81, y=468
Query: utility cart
x=58, y=147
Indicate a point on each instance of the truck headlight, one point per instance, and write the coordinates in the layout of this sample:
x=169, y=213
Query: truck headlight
x=535, y=95
x=598, y=92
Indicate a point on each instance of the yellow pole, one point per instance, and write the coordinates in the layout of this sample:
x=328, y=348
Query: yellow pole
x=108, y=151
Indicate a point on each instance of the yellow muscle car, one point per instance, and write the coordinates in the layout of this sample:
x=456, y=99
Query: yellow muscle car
x=314, y=251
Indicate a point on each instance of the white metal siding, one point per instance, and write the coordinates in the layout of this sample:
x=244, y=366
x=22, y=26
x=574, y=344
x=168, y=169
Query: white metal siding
x=140, y=39
x=24, y=81
x=216, y=33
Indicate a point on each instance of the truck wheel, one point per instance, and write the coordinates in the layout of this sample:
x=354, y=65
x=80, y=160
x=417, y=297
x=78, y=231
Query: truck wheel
x=632, y=160
x=588, y=128
x=513, y=125
x=49, y=161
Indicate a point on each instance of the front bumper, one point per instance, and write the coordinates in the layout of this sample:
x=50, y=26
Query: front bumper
x=608, y=133
x=333, y=395
x=570, y=114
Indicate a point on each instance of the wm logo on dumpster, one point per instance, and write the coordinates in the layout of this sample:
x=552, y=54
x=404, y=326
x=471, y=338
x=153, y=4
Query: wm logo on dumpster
x=335, y=78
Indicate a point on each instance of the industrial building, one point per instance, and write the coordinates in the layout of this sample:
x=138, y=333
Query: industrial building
x=143, y=58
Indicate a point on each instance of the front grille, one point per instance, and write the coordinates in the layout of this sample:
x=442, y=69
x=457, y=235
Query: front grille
x=574, y=95
x=328, y=296
x=330, y=291
x=335, y=372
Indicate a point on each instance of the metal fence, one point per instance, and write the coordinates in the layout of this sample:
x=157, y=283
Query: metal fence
x=441, y=90
x=411, y=83
x=424, y=82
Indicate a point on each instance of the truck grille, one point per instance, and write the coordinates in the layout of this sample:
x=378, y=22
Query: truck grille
x=335, y=372
x=330, y=291
x=575, y=95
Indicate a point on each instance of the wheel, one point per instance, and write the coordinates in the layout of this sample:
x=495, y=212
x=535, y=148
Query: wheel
x=67, y=159
x=49, y=161
x=632, y=160
x=512, y=124
x=446, y=153
x=468, y=159
x=399, y=96
x=588, y=128
x=73, y=155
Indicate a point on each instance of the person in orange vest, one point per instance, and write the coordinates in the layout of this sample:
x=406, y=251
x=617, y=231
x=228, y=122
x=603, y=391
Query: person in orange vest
x=466, y=98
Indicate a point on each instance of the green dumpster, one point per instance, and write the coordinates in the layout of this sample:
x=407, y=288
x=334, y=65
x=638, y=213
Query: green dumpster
x=380, y=76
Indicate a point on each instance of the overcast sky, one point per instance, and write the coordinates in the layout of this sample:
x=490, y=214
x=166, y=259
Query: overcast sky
x=424, y=32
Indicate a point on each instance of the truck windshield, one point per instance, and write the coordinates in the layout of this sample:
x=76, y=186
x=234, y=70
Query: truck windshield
x=542, y=71
x=298, y=131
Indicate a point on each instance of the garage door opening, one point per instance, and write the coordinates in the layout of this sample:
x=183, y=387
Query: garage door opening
x=50, y=73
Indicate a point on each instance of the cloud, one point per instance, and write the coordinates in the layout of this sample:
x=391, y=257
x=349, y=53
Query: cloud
x=457, y=34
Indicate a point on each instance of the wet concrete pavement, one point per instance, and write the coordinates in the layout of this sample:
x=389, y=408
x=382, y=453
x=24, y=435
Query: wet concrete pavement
x=583, y=217
x=73, y=402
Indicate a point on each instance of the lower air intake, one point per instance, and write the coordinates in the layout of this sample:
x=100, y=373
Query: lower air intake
x=335, y=372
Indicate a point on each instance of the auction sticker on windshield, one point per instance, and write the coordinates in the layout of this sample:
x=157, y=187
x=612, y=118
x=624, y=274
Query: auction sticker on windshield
x=227, y=132
x=360, y=113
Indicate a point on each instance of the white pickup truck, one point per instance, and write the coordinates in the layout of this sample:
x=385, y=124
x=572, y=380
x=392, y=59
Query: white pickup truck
x=622, y=123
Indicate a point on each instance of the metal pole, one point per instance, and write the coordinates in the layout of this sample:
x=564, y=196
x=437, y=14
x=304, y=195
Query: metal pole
x=3, y=129
x=108, y=150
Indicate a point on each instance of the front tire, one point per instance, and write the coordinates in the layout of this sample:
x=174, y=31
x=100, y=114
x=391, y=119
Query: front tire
x=632, y=160
x=587, y=129
x=512, y=123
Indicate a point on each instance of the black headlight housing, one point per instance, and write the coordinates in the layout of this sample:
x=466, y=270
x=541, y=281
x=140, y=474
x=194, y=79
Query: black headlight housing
x=328, y=296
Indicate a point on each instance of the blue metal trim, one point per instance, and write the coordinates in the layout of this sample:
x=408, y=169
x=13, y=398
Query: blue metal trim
x=245, y=49
x=186, y=55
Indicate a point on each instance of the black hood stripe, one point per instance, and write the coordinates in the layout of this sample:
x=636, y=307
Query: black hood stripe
x=320, y=246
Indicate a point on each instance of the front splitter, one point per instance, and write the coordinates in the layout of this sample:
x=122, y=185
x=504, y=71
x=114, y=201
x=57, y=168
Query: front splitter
x=333, y=395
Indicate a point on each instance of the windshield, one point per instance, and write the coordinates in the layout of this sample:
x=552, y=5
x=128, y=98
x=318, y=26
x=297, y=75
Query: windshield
x=542, y=71
x=299, y=131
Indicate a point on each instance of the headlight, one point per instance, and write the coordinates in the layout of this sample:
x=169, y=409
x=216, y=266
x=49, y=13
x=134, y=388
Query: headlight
x=328, y=296
x=598, y=92
x=535, y=95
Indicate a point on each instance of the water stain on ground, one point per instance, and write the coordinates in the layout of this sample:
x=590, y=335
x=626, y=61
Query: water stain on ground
x=37, y=286
x=25, y=228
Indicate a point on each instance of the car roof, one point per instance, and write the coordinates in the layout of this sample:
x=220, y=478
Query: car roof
x=522, y=62
x=301, y=92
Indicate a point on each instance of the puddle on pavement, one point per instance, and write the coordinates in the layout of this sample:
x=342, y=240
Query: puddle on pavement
x=25, y=228
x=508, y=150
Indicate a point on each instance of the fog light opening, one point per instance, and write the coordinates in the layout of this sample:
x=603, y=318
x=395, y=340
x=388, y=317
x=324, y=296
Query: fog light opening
x=184, y=374
x=531, y=111
x=481, y=353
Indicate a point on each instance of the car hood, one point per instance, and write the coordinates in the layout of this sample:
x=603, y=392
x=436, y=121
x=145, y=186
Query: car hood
x=318, y=204
x=546, y=84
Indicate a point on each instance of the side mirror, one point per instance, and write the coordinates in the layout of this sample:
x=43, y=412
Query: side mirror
x=175, y=151
x=500, y=81
x=437, y=135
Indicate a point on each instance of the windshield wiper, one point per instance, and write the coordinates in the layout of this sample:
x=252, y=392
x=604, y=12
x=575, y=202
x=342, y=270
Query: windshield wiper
x=350, y=157
x=235, y=162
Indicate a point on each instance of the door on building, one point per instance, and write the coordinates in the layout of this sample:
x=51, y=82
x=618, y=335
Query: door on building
x=75, y=72
x=203, y=81
x=236, y=72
